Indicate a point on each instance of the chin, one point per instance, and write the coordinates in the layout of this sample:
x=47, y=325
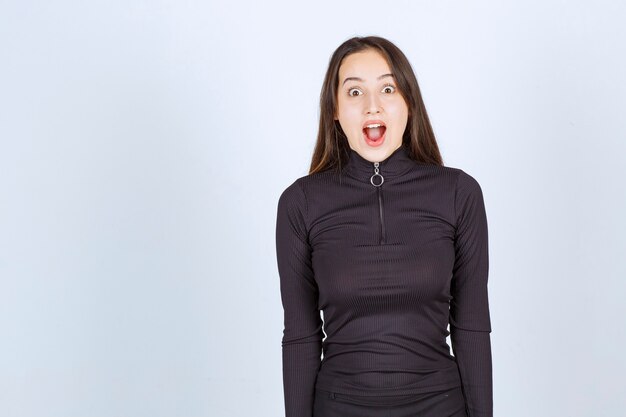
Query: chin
x=376, y=154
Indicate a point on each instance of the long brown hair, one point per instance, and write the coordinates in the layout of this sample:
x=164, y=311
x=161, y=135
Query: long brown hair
x=332, y=149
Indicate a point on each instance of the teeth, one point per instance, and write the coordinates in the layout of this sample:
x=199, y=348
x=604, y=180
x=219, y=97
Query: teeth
x=374, y=125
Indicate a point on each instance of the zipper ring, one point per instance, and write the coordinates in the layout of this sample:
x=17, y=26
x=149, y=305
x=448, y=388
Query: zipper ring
x=381, y=179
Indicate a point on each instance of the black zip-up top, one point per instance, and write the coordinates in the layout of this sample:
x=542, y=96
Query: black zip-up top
x=391, y=252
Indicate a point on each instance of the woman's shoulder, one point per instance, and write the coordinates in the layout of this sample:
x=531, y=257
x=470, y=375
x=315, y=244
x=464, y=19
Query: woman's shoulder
x=318, y=178
x=297, y=188
x=464, y=179
x=460, y=176
x=447, y=174
x=466, y=187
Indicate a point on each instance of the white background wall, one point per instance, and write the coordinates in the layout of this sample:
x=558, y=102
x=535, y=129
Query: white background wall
x=144, y=144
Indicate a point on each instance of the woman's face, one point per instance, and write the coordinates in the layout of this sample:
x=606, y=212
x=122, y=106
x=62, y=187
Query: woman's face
x=367, y=96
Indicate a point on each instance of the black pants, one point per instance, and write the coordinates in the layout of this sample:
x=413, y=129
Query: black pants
x=446, y=403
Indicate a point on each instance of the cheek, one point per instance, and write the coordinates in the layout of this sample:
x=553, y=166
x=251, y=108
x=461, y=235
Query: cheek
x=401, y=112
x=348, y=115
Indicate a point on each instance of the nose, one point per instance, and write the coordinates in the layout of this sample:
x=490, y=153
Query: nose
x=373, y=104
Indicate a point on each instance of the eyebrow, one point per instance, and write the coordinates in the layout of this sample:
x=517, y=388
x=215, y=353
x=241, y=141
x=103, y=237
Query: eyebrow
x=361, y=79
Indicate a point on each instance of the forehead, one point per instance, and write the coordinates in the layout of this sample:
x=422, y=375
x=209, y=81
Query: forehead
x=368, y=64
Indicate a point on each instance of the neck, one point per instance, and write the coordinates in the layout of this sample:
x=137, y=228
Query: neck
x=396, y=164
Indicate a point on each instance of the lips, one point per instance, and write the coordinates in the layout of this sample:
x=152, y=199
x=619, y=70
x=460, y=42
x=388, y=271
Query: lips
x=374, y=129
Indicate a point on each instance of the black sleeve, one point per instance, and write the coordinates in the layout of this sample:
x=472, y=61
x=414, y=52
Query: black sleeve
x=470, y=324
x=302, y=334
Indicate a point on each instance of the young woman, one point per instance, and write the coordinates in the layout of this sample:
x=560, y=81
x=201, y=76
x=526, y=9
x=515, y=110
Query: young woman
x=392, y=247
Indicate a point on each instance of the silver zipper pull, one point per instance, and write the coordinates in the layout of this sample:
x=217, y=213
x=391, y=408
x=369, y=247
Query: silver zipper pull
x=376, y=173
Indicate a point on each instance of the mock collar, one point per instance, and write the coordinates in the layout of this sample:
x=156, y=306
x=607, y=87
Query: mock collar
x=393, y=166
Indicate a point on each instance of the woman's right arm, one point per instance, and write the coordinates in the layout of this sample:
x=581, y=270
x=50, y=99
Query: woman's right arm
x=302, y=334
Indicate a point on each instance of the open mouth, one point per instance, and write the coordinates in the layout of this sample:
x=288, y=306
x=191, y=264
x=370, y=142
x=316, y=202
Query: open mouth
x=374, y=131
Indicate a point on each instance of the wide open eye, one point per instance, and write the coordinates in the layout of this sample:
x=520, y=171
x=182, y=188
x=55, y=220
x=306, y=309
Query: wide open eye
x=350, y=92
x=389, y=88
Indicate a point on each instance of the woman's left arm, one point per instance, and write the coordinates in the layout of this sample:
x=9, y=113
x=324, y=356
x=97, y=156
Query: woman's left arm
x=470, y=324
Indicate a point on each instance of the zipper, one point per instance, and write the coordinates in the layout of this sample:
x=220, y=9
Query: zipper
x=380, y=200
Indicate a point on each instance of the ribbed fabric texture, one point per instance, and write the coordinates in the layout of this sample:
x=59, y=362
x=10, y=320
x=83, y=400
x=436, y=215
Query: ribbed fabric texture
x=391, y=267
